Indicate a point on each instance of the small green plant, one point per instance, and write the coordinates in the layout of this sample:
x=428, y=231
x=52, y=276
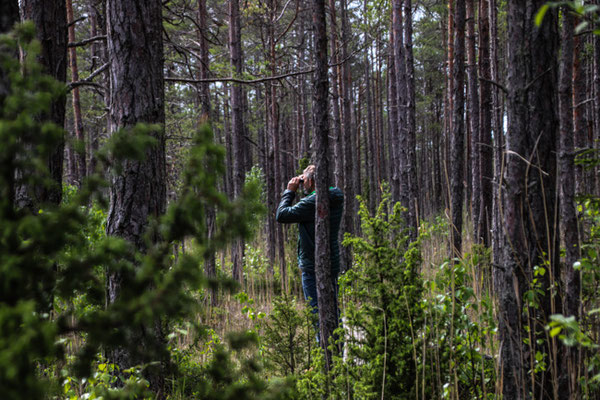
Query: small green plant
x=289, y=336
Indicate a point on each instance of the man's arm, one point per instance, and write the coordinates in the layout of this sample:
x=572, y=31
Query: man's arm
x=304, y=211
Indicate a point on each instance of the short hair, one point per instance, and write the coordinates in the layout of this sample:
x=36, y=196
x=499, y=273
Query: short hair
x=309, y=172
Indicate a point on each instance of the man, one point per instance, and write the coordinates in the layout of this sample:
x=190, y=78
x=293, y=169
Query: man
x=303, y=213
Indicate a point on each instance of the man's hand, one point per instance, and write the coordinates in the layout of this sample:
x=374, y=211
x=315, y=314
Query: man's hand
x=294, y=183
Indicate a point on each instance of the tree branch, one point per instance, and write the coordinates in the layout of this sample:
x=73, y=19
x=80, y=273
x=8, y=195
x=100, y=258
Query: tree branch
x=87, y=41
x=88, y=81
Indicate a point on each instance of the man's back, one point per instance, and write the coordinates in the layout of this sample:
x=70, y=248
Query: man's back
x=303, y=213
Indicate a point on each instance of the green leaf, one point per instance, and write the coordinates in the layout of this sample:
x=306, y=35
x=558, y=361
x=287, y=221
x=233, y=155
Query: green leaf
x=539, y=17
x=582, y=25
x=555, y=331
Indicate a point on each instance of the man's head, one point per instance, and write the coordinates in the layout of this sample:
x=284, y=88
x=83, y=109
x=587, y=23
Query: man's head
x=309, y=178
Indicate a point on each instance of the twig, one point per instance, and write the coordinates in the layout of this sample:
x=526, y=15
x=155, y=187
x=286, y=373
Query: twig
x=76, y=21
x=87, y=41
x=497, y=84
x=88, y=81
x=237, y=80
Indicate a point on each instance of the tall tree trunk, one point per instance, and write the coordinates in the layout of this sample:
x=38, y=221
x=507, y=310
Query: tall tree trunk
x=596, y=103
x=336, y=87
x=473, y=107
x=326, y=293
x=529, y=195
x=138, y=192
x=568, y=380
x=349, y=186
x=9, y=16
x=486, y=155
x=80, y=156
x=458, y=131
x=50, y=19
x=210, y=266
x=400, y=73
x=98, y=55
x=237, y=125
x=411, y=157
x=579, y=117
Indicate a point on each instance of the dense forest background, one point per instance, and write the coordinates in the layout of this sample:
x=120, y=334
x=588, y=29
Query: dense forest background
x=145, y=147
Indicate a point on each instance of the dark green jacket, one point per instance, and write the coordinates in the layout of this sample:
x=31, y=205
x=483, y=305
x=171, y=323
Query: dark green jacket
x=303, y=213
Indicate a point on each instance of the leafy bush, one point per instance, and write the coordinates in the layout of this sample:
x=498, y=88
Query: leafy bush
x=58, y=254
x=289, y=336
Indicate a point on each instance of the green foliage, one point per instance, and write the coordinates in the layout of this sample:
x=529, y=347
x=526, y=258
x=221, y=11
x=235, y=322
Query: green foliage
x=289, y=336
x=462, y=326
x=588, y=13
x=387, y=290
x=53, y=261
x=228, y=375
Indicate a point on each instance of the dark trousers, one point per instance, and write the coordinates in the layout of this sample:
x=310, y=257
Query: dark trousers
x=309, y=286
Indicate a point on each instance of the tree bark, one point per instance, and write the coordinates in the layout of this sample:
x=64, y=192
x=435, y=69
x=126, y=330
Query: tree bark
x=9, y=16
x=568, y=386
x=237, y=125
x=328, y=318
x=411, y=157
x=398, y=145
x=486, y=155
x=457, y=139
x=473, y=107
x=210, y=267
x=50, y=19
x=79, y=156
x=348, y=184
x=529, y=193
x=336, y=88
x=138, y=192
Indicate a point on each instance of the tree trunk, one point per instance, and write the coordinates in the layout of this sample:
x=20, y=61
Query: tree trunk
x=486, y=155
x=349, y=186
x=237, y=125
x=210, y=267
x=326, y=295
x=336, y=87
x=138, y=192
x=398, y=145
x=579, y=117
x=568, y=384
x=50, y=19
x=9, y=16
x=529, y=195
x=80, y=156
x=457, y=139
x=473, y=107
